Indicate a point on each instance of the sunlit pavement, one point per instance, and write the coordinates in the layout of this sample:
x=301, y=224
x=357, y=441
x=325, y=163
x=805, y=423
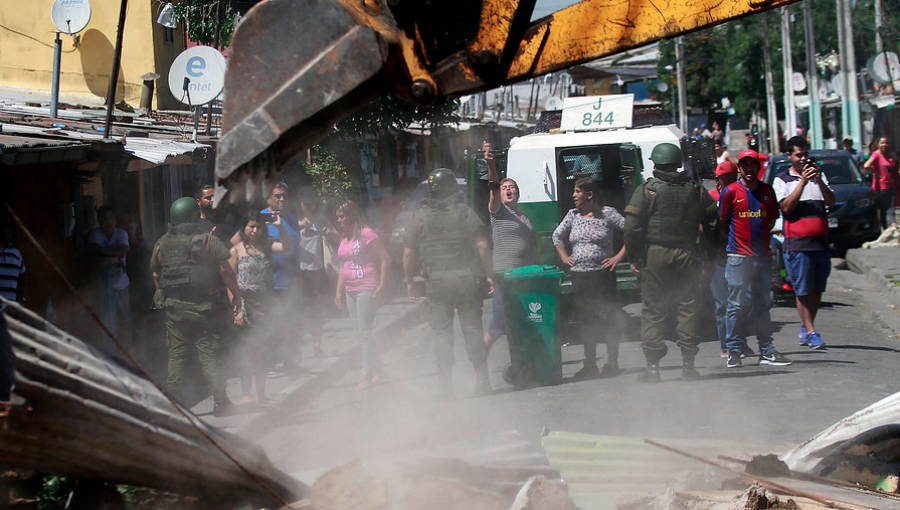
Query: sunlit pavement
x=317, y=425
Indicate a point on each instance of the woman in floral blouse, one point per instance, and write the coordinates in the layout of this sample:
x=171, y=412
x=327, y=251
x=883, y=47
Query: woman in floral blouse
x=589, y=230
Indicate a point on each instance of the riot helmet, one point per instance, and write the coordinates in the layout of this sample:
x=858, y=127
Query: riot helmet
x=666, y=154
x=442, y=182
x=182, y=210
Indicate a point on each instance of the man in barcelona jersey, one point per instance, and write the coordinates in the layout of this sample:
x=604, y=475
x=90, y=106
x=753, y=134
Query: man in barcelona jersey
x=747, y=211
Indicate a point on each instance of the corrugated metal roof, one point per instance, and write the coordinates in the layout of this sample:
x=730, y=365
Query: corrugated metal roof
x=602, y=471
x=78, y=412
x=22, y=142
x=154, y=150
x=157, y=151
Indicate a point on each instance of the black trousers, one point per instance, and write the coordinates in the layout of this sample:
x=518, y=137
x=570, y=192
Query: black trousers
x=597, y=310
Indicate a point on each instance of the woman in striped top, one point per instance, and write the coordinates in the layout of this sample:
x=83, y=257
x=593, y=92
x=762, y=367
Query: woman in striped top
x=513, y=238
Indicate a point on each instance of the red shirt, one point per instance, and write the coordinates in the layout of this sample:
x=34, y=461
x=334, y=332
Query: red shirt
x=747, y=217
x=884, y=172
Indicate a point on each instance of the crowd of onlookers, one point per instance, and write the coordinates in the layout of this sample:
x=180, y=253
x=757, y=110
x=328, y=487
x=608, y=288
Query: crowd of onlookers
x=293, y=261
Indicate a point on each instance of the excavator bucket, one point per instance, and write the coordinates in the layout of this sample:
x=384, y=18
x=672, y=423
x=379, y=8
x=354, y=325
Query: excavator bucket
x=302, y=65
x=298, y=66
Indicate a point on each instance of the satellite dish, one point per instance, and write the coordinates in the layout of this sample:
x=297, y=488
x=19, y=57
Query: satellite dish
x=662, y=86
x=553, y=103
x=197, y=75
x=884, y=67
x=70, y=16
x=837, y=83
x=799, y=81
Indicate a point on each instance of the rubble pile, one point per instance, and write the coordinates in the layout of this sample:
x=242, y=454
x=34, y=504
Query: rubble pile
x=758, y=498
x=419, y=486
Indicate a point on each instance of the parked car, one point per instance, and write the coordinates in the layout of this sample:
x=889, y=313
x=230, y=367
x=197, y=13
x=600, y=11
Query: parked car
x=854, y=218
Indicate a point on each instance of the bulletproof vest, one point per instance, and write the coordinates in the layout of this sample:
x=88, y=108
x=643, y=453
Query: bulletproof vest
x=672, y=218
x=444, y=244
x=187, y=272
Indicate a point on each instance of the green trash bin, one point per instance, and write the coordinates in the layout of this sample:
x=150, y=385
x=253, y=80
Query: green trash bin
x=531, y=306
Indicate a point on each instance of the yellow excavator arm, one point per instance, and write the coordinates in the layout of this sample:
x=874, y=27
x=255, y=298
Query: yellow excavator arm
x=299, y=66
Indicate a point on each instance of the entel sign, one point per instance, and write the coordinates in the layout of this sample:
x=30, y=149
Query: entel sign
x=197, y=75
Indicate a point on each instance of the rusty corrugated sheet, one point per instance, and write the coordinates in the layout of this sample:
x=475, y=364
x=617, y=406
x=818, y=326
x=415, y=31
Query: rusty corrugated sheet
x=22, y=142
x=78, y=412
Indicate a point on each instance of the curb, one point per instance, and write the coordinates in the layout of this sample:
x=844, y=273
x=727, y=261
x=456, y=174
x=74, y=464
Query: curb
x=876, y=276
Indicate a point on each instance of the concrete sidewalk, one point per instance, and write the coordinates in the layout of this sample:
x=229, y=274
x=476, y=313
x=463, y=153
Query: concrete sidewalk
x=881, y=266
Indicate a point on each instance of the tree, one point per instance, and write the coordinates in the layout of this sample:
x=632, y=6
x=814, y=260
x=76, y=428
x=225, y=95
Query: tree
x=199, y=16
x=328, y=175
x=391, y=113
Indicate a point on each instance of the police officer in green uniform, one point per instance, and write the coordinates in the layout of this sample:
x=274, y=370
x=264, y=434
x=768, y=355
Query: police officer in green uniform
x=450, y=242
x=662, y=228
x=189, y=267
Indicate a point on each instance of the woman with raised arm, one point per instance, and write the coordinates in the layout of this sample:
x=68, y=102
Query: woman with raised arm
x=513, y=238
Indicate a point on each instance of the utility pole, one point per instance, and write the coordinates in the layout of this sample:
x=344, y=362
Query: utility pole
x=850, y=121
x=54, y=86
x=530, y=100
x=812, y=78
x=790, y=111
x=682, y=82
x=117, y=64
x=772, y=118
x=879, y=19
x=216, y=46
x=482, y=99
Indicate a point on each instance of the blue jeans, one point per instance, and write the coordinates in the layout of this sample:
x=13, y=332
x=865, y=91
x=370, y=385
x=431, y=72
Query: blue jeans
x=719, y=288
x=749, y=300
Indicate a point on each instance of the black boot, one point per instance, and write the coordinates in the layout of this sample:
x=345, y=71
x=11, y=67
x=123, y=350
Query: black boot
x=651, y=374
x=588, y=371
x=609, y=371
x=688, y=372
x=225, y=408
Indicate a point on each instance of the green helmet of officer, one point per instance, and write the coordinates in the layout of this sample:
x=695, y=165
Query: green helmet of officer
x=666, y=157
x=182, y=210
x=442, y=183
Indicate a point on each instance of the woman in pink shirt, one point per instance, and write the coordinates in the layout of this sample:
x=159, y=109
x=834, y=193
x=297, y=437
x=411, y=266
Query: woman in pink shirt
x=364, y=266
x=883, y=166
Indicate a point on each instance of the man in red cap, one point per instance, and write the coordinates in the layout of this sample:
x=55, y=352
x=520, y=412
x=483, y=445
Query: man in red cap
x=726, y=173
x=747, y=211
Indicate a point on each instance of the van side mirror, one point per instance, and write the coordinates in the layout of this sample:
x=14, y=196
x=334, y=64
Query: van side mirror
x=632, y=160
